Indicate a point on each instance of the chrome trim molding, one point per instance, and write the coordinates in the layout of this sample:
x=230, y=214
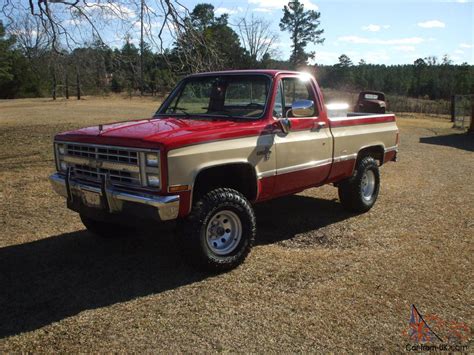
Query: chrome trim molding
x=309, y=165
x=391, y=149
x=345, y=157
x=265, y=174
x=294, y=168
x=167, y=207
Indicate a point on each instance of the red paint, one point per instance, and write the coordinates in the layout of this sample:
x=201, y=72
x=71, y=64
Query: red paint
x=169, y=132
x=351, y=121
x=288, y=183
x=265, y=188
x=341, y=170
x=184, y=203
x=270, y=72
x=389, y=156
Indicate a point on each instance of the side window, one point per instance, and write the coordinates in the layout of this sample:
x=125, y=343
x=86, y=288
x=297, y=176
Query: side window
x=278, y=107
x=296, y=89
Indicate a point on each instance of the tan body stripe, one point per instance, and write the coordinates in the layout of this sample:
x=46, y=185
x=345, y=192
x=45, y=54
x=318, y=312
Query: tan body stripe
x=275, y=154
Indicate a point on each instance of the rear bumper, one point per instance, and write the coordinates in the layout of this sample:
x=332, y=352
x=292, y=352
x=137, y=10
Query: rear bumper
x=116, y=201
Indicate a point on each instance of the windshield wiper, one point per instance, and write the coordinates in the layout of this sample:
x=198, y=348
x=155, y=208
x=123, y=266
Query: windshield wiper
x=186, y=113
x=181, y=110
x=212, y=114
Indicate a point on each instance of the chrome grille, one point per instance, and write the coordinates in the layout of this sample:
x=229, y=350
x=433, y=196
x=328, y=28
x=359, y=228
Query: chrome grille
x=111, y=154
x=116, y=176
x=121, y=165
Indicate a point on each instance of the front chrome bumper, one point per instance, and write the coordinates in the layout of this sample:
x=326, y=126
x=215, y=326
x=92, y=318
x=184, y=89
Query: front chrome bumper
x=167, y=207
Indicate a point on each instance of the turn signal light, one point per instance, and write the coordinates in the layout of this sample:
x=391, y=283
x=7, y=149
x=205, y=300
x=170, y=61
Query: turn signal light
x=178, y=188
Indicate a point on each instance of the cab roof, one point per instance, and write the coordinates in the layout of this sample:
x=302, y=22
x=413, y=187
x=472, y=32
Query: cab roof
x=270, y=72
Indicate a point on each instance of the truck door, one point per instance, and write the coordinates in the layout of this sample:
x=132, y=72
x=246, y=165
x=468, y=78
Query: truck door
x=304, y=154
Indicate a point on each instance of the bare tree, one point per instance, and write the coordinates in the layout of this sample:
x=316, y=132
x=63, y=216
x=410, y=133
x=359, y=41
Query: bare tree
x=193, y=52
x=70, y=23
x=30, y=36
x=256, y=36
x=65, y=21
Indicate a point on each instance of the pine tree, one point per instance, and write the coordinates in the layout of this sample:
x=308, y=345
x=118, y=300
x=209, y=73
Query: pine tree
x=303, y=27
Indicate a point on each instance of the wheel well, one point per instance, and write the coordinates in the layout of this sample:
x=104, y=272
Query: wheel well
x=377, y=152
x=239, y=176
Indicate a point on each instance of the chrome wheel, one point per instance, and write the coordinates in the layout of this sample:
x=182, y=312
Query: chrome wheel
x=367, y=185
x=223, y=232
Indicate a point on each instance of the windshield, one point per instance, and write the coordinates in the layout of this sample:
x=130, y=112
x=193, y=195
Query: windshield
x=235, y=96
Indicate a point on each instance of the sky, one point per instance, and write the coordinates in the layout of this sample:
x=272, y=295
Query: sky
x=380, y=32
x=377, y=31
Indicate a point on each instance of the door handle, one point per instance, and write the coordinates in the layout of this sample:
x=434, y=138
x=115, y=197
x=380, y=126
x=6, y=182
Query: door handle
x=319, y=125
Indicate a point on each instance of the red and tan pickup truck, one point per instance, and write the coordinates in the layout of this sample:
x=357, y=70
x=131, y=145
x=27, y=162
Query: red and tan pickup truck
x=219, y=143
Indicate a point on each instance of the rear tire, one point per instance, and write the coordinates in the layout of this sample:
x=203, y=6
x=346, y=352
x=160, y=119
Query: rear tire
x=105, y=229
x=219, y=232
x=359, y=193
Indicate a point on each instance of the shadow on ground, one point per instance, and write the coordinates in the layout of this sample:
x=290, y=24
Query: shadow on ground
x=56, y=277
x=456, y=140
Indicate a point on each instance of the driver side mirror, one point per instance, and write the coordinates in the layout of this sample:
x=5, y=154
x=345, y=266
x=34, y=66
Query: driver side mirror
x=300, y=108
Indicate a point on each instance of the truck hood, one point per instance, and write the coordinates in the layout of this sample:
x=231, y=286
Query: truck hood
x=171, y=132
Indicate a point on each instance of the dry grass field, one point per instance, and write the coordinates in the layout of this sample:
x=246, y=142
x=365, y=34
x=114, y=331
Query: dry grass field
x=319, y=279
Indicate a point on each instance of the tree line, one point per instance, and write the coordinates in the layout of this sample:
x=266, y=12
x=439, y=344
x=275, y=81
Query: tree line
x=32, y=64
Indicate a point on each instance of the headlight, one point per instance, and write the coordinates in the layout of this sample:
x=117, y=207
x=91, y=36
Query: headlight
x=153, y=180
x=152, y=159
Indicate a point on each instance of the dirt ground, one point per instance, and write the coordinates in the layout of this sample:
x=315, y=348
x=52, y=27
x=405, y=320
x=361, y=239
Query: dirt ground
x=319, y=279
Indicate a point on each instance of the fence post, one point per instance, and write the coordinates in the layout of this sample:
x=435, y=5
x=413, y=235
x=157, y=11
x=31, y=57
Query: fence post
x=471, y=126
x=54, y=84
x=78, y=84
x=67, y=86
x=453, y=108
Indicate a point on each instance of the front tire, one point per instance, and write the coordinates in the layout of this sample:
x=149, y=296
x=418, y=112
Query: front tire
x=219, y=232
x=359, y=193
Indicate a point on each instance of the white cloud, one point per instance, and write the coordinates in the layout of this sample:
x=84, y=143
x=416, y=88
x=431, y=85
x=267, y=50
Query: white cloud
x=364, y=40
x=432, y=24
x=371, y=28
x=261, y=9
x=225, y=10
x=465, y=45
x=278, y=4
x=147, y=26
x=111, y=10
x=459, y=51
x=462, y=1
x=374, y=28
x=405, y=48
x=72, y=22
